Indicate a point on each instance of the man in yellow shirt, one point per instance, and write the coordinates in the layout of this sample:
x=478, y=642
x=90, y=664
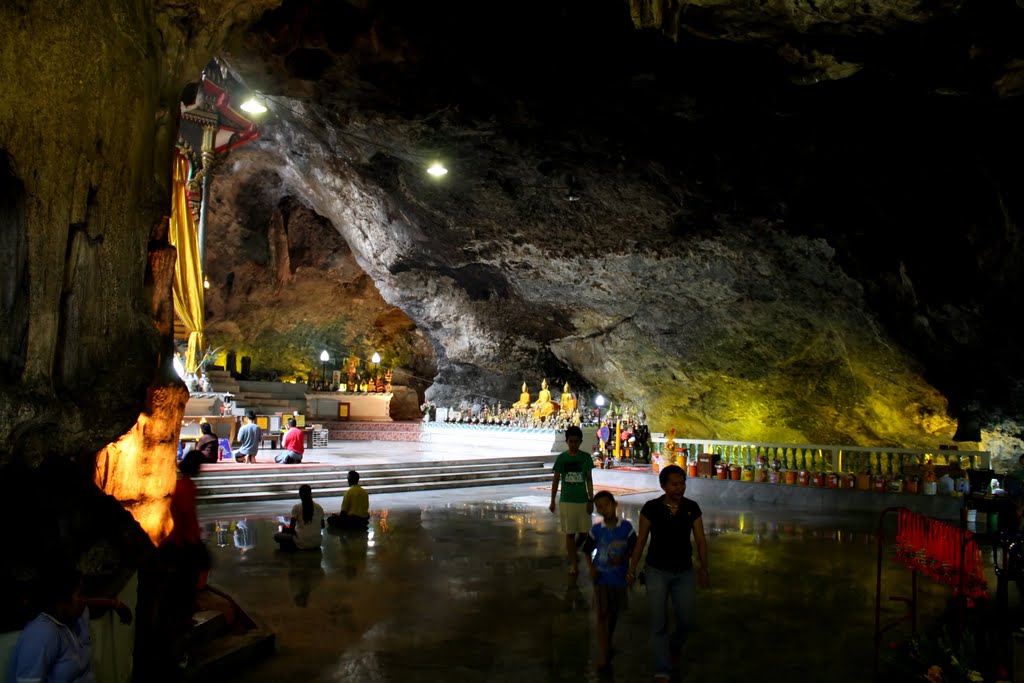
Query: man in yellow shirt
x=355, y=506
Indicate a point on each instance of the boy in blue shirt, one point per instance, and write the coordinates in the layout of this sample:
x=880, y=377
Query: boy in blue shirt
x=613, y=539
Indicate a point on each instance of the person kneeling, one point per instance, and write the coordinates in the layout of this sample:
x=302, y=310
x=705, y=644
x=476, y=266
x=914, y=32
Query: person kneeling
x=355, y=507
x=293, y=443
x=307, y=520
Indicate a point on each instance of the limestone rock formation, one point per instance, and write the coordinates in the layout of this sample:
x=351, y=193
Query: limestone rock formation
x=693, y=226
x=88, y=116
x=285, y=285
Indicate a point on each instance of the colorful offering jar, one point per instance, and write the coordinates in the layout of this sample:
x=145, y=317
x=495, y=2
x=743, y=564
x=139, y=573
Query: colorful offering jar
x=790, y=476
x=773, y=476
x=896, y=485
x=818, y=479
x=864, y=481
x=761, y=474
x=803, y=477
x=878, y=485
x=722, y=471
x=849, y=480
x=735, y=472
x=748, y=473
x=832, y=481
x=912, y=485
x=691, y=470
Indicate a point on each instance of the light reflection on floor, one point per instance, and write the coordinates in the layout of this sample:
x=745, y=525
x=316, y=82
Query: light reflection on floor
x=472, y=586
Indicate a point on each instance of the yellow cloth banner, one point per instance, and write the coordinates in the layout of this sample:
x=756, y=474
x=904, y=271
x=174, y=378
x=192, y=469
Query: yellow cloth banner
x=189, y=304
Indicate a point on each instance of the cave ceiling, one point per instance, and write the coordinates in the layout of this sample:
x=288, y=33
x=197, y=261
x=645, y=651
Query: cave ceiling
x=779, y=220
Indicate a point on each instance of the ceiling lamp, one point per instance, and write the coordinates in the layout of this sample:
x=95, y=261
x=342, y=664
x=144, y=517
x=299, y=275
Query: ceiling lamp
x=253, y=106
x=437, y=169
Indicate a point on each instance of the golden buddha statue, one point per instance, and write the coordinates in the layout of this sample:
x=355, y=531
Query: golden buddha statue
x=524, y=400
x=568, y=401
x=544, y=407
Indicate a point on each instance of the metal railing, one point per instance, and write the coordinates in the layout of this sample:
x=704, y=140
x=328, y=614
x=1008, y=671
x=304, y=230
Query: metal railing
x=827, y=457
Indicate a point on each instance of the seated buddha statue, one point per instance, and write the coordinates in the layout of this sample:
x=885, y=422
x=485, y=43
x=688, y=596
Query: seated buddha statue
x=524, y=400
x=568, y=401
x=544, y=407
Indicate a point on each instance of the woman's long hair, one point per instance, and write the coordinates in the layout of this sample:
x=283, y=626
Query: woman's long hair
x=306, y=496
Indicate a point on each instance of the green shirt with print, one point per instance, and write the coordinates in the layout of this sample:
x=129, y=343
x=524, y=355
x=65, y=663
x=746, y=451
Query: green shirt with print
x=573, y=469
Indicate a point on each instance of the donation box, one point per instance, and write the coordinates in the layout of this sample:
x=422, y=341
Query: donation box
x=704, y=465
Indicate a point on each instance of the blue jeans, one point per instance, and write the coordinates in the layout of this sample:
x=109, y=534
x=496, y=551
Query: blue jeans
x=682, y=588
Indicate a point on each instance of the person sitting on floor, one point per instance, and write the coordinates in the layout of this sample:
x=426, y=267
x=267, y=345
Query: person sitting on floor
x=208, y=445
x=293, y=443
x=307, y=520
x=55, y=646
x=355, y=506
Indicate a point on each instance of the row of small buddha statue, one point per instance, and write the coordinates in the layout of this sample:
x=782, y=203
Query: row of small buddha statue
x=544, y=408
x=379, y=384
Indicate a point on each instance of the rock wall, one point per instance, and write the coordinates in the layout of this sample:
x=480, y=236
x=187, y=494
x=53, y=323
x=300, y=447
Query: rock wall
x=88, y=118
x=285, y=285
x=693, y=226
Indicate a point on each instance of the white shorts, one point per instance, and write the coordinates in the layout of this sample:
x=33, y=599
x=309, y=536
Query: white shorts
x=573, y=518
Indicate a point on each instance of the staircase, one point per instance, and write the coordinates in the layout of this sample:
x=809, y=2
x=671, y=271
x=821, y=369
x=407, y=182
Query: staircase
x=282, y=483
x=224, y=638
x=372, y=431
x=265, y=398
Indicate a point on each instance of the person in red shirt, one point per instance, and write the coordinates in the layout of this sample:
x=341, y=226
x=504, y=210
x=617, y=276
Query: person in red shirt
x=293, y=443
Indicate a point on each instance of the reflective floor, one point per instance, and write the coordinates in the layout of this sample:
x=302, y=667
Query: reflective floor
x=471, y=585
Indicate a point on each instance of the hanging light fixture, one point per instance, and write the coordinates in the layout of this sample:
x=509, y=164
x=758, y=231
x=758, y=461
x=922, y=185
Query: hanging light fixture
x=253, y=106
x=437, y=169
x=206, y=283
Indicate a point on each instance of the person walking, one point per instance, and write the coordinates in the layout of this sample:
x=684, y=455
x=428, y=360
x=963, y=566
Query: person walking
x=572, y=469
x=608, y=550
x=669, y=521
x=250, y=436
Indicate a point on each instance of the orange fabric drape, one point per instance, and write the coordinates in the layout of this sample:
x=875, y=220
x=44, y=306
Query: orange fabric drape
x=189, y=302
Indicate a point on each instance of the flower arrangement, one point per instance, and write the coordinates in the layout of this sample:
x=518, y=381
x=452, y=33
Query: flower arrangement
x=937, y=658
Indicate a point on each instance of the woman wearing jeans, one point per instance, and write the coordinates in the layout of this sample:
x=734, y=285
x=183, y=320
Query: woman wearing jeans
x=669, y=520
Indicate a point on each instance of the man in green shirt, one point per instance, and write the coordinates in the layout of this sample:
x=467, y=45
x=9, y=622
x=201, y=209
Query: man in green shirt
x=572, y=468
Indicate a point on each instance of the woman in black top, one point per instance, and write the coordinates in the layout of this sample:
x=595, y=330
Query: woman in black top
x=670, y=520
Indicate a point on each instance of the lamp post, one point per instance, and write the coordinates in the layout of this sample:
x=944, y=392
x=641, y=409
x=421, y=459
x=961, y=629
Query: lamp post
x=324, y=357
x=375, y=359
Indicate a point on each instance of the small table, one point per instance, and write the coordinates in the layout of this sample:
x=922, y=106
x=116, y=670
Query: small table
x=275, y=437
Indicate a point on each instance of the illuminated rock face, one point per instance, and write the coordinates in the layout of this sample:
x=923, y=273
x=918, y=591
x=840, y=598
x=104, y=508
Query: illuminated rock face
x=85, y=160
x=691, y=225
x=285, y=285
x=139, y=468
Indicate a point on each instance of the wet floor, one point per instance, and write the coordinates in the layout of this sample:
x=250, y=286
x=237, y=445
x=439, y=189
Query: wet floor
x=471, y=585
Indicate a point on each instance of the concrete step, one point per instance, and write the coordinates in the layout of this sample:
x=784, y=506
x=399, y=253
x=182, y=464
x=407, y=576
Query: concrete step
x=210, y=624
x=224, y=657
x=542, y=477
x=341, y=484
x=375, y=466
x=306, y=475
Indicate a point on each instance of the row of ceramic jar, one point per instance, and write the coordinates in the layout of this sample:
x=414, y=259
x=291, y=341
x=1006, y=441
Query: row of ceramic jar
x=831, y=480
